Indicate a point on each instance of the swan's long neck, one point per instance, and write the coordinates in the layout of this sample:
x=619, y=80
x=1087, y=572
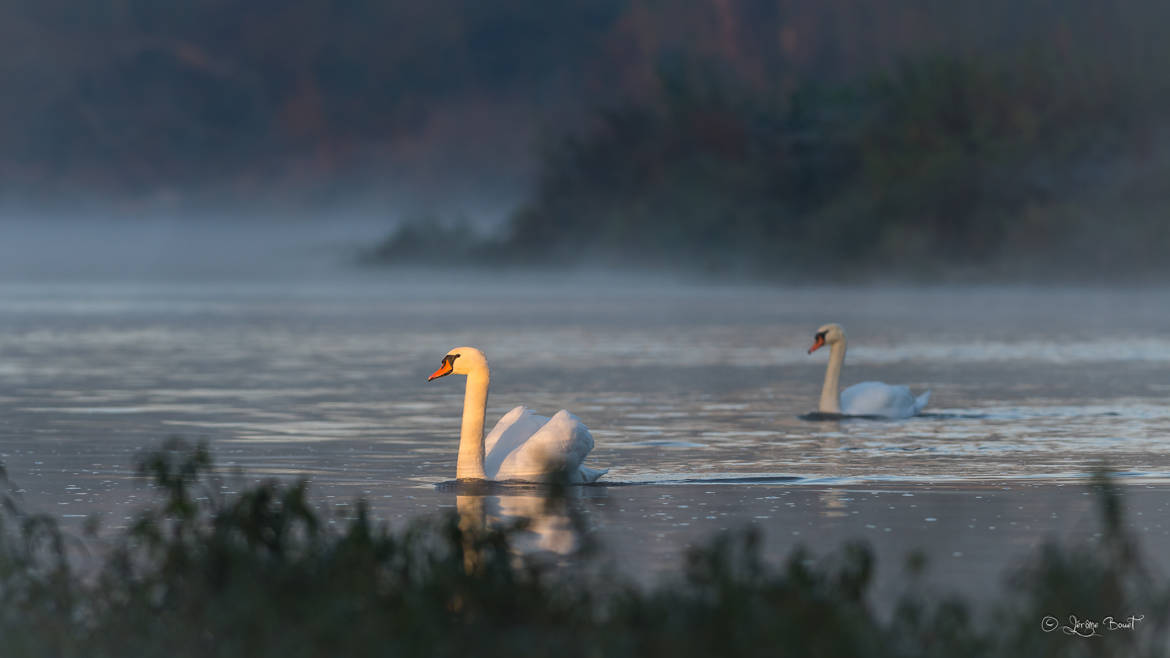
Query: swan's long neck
x=831, y=392
x=470, y=464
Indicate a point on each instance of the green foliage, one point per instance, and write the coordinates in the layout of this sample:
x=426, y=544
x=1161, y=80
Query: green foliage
x=261, y=574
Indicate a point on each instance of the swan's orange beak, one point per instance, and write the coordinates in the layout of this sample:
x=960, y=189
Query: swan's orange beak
x=443, y=371
x=818, y=344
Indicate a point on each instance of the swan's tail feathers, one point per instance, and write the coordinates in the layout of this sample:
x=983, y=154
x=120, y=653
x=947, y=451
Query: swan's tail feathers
x=592, y=474
x=920, y=403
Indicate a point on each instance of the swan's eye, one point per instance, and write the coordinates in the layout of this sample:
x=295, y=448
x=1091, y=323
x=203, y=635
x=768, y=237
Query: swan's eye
x=820, y=335
x=450, y=359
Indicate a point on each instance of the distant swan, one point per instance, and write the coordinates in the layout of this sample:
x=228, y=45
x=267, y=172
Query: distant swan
x=522, y=445
x=866, y=398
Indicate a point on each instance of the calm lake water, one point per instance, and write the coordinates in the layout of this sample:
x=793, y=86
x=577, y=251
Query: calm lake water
x=693, y=394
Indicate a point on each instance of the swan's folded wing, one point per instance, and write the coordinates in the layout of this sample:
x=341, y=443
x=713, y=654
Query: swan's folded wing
x=520, y=415
x=567, y=435
x=877, y=399
x=559, y=445
x=509, y=435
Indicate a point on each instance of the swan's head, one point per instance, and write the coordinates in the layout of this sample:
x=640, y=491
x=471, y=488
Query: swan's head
x=827, y=335
x=460, y=361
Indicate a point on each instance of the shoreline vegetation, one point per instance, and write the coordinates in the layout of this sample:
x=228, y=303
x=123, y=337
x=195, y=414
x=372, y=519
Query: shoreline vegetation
x=1036, y=167
x=260, y=573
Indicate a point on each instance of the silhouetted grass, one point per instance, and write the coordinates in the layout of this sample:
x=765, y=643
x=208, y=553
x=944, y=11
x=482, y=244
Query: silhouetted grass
x=260, y=574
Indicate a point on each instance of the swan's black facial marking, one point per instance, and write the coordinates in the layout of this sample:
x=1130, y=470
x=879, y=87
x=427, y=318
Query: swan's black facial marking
x=447, y=368
x=820, y=335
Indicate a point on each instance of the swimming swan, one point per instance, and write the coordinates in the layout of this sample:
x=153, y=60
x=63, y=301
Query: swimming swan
x=522, y=446
x=866, y=398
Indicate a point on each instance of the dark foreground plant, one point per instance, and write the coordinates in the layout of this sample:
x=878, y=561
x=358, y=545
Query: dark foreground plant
x=260, y=574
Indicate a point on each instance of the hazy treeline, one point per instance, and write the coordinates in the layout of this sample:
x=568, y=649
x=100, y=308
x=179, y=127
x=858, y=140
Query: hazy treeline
x=730, y=136
x=1029, y=145
x=257, y=99
x=943, y=161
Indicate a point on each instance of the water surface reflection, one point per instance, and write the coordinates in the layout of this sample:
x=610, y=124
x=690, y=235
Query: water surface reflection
x=694, y=393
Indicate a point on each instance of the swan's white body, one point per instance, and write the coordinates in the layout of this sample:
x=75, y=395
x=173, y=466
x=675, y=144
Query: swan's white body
x=525, y=446
x=880, y=399
x=866, y=398
x=522, y=445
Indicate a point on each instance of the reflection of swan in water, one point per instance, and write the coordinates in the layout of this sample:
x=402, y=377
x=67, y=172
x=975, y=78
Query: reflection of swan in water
x=833, y=503
x=546, y=524
x=545, y=520
x=522, y=445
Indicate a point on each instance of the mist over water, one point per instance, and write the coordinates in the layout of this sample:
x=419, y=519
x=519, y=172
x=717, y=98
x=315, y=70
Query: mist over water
x=39, y=247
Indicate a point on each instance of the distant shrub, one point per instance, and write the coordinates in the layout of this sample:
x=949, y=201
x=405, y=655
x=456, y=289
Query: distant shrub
x=434, y=241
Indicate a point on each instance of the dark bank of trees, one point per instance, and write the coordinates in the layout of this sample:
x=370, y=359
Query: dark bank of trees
x=1035, y=152
x=754, y=137
x=239, y=102
x=940, y=164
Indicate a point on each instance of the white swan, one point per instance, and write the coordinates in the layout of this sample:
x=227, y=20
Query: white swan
x=866, y=398
x=522, y=445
